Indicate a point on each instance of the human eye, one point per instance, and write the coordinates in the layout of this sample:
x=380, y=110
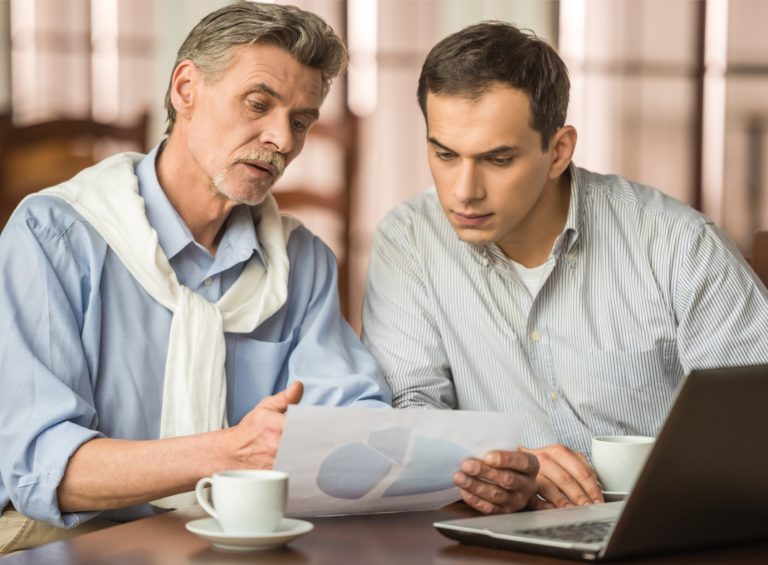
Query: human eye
x=258, y=106
x=299, y=125
x=500, y=161
x=445, y=155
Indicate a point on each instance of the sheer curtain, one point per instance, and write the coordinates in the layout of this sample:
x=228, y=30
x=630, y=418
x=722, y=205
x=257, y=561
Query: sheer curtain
x=79, y=58
x=673, y=94
x=667, y=93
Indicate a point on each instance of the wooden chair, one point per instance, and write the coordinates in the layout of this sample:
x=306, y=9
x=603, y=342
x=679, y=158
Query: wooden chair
x=40, y=155
x=306, y=200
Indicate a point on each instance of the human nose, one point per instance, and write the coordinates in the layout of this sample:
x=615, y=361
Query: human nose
x=468, y=186
x=277, y=132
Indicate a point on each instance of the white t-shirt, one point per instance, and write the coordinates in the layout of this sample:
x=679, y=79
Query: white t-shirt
x=532, y=277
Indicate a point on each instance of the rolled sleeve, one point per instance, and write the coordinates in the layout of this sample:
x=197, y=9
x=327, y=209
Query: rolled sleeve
x=46, y=395
x=37, y=477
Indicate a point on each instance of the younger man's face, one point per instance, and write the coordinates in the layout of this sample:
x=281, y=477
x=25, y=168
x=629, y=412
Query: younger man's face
x=492, y=176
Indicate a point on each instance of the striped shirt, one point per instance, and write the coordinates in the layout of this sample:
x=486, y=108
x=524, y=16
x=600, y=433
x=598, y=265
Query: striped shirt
x=639, y=290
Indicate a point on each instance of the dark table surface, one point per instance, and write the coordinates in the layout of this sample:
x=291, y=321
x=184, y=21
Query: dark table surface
x=399, y=539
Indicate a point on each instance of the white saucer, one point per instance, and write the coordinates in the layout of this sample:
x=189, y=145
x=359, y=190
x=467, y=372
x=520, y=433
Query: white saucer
x=209, y=529
x=613, y=496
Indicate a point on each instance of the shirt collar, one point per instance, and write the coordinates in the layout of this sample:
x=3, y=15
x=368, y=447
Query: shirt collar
x=173, y=234
x=239, y=241
x=566, y=241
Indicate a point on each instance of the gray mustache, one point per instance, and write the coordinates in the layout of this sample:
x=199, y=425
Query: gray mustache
x=269, y=157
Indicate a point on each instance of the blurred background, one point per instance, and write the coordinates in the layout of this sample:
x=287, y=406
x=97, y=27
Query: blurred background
x=672, y=93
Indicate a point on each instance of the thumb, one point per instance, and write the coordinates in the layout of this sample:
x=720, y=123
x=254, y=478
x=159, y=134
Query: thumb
x=279, y=402
x=294, y=393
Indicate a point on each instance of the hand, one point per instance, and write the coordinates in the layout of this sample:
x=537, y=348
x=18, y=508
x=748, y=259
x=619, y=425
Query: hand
x=258, y=433
x=502, y=482
x=565, y=478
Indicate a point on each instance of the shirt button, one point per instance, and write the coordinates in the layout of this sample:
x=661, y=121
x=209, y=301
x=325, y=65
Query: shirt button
x=208, y=282
x=553, y=395
x=535, y=335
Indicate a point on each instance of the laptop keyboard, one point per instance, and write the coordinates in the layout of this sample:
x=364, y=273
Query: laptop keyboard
x=595, y=531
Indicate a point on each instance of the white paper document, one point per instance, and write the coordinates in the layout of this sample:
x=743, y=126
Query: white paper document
x=366, y=460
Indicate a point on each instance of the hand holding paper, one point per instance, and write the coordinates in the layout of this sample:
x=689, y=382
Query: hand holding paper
x=358, y=460
x=499, y=483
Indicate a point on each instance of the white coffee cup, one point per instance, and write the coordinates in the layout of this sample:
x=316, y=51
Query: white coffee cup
x=619, y=459
x=245, y=502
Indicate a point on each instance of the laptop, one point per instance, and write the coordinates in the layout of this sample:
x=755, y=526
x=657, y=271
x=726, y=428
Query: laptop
x=705, y=483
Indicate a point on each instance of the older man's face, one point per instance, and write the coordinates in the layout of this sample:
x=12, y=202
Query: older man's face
x=252, y=120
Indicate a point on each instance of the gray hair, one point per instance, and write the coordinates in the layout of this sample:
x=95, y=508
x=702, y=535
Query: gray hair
x=310, y=40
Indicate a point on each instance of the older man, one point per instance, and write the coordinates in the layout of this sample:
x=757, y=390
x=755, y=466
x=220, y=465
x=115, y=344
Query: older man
x=158, y=314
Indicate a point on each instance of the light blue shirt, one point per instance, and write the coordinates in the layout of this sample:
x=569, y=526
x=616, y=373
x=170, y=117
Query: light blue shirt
x=639, y=290
x=83, y=346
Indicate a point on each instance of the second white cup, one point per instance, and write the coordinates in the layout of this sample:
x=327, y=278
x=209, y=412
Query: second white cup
x=619, y=459
x=245, y=502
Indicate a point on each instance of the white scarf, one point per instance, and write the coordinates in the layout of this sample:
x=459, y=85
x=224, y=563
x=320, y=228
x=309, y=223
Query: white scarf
x=195, y=391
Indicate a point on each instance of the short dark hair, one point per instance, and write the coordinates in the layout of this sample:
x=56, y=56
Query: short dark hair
x=471, y=61
x=310, y=40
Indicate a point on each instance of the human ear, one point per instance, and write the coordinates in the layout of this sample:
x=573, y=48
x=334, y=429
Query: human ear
x=183, y=81
x=562, y=145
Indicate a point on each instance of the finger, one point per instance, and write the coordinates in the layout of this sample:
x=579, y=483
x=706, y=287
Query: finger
x=565, y=483
x=511, y=470
x=549, y=492
x=502, y=499
x=479, y=504
x=279, y=402
x=294, y=392
x=585, y=475
x=574, y=478
x=596, y=492
x=505, y=478
x=583, y=457
x=521, y=461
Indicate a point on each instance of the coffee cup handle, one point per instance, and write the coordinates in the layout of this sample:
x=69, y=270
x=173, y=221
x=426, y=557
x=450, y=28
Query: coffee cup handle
x=202, y=498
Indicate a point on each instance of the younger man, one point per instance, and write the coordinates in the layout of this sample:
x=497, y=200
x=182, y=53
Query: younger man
x=523, y=283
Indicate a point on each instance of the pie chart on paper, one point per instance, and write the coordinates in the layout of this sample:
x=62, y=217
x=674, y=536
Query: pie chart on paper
x=421, y=464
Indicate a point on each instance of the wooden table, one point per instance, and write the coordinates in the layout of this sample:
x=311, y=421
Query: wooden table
x=396, y=539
